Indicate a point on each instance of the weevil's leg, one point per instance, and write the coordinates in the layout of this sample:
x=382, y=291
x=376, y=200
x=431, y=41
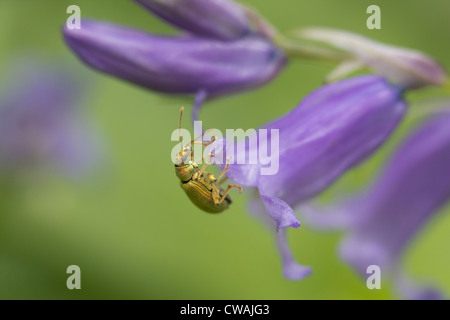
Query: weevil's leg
x=202, y=170
x=228, y=190
x=205, y=144
x=201, y=136
x=216, y=194
x=224, y=179
x=204, y=166
x=224, y=170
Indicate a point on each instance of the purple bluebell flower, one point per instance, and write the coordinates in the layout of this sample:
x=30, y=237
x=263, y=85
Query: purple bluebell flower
x=218, y=55
x=409, y=191
x=184, y=65
x=40, y=126
x=218, y=19
x=332, y=130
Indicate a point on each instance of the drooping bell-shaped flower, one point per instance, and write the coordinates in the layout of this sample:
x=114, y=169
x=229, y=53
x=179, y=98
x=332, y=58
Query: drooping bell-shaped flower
x=218, y=19
x=184, y=65
x=382, y=220
x=407, y=68
x=218, y=52
x=41, y=125
x=332, y=130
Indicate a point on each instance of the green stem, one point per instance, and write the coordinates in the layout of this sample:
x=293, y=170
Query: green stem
x=295, y=49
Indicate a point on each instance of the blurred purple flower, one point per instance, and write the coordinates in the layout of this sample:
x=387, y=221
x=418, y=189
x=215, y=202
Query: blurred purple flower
x=382, y=221
x=219, y=55
x=333, y=129
x=41, y=127
x=219, y=19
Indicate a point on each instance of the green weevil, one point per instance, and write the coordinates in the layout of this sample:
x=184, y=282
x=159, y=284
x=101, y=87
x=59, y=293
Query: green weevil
x=202, y=188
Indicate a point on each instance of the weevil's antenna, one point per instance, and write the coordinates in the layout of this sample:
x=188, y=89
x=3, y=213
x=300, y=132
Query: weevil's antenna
x=179, y=127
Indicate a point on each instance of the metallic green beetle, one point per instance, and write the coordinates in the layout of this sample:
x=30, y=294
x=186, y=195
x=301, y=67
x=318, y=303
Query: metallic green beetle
x=200, y=186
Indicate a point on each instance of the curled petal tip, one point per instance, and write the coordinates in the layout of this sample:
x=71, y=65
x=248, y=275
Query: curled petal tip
x=296, y=272
x=281, y=213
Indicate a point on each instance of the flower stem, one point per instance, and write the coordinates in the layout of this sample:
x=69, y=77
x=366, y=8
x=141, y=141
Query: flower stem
x=293, y=48
x=302, y=50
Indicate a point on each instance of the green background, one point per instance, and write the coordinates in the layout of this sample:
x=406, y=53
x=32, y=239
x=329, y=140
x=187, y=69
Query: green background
x=130, y=227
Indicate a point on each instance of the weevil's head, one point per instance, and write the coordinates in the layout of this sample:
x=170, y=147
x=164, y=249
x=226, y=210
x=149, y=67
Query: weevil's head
x=184, y=166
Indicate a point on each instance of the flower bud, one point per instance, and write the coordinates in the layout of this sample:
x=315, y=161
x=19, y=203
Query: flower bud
x=408, y=69
x=184, y=65
x=219, y=19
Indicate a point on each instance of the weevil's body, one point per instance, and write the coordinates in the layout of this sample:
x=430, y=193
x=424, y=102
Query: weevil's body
x=202, y=188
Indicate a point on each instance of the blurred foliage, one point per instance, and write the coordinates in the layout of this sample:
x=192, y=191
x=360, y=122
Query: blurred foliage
x=130, y=227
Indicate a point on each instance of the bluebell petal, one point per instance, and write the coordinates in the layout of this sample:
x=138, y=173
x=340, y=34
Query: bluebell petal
x=412, y=187
x=219, y=19
x=281, y=213
x=332, y=130
x=180, y=65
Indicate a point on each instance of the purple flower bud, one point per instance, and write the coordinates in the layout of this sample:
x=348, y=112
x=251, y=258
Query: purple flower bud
x=409, y=69
x=40, y=126
x=184, y=65
x=219, y=19
x=412, y=187
x=333, y=129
